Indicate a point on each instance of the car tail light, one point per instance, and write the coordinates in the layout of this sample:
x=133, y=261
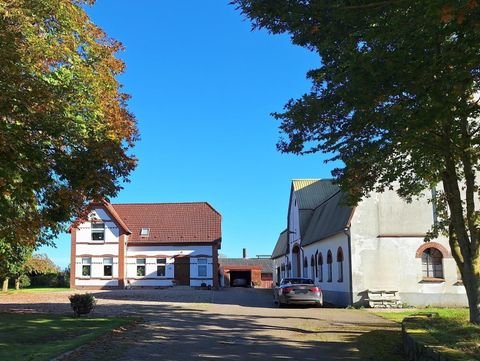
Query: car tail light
x=315, y=289
x=287, y=290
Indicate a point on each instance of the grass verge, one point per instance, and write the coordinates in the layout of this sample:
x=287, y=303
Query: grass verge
x=39, y=337
x=36, y=290
x=450, y=328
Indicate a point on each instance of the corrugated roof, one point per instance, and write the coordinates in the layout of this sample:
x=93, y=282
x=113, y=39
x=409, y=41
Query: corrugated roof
x=171, y=222
x=265, y=264
x=310, y=193
x=330, y=218
x=281, y=247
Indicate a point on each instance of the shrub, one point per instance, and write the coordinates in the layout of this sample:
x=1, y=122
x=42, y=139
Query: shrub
x=82, y=304
x=24, y=281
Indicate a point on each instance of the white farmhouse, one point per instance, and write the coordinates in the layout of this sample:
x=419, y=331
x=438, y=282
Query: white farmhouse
x=373, y=251
x=146, y=245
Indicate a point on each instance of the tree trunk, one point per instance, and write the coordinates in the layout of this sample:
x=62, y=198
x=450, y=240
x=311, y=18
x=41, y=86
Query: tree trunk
x=471, y=281
x=17, y=283
x=5, y=285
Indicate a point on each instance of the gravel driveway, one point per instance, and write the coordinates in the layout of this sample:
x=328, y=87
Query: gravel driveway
x=231, y=324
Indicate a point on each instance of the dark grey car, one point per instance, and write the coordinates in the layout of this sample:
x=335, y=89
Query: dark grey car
x=298, y=291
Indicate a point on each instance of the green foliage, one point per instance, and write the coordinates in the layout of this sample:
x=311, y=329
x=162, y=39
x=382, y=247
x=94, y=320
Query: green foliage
x=23, y=281
x=395, y=100
x=39, y=337
x=82, y=304
x=12, y=258
x=48, y=280
x=65, y=130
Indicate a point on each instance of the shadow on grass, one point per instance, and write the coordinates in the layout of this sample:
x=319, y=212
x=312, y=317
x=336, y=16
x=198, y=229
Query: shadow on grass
x=453, y=332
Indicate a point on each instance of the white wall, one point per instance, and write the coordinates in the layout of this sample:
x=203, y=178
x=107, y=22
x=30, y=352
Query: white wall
x=334, y=292
x=97, y=277
x=151, y=253
x=85, y=247
x=386, y=234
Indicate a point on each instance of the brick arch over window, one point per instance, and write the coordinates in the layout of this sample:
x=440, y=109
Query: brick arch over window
x=445, y=253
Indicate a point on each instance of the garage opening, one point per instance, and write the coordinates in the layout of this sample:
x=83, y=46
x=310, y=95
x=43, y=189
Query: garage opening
x=240, y=278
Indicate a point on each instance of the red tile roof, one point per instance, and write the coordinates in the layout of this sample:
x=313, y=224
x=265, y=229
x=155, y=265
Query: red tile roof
x=171, y=222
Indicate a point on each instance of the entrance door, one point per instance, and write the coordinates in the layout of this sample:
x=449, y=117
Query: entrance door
x=182, y=271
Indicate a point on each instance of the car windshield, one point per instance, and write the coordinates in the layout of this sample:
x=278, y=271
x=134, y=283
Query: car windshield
x=297, y=281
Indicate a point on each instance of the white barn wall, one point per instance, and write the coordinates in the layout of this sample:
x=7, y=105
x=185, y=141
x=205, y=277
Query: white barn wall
x=386, y=235
x=334, y=292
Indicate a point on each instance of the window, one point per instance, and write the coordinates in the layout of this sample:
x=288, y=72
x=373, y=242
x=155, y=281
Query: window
x=329, y=266
x=202, y=267
x=340, y=264
x=86, y=267
x=107, y=267
x=145, y=232
x=316, y=264
x=432, y=266
x=305, y=267
x=320, y=267
x=98, y=231
x=312, y=265
x=140, y=267
x=161, y=263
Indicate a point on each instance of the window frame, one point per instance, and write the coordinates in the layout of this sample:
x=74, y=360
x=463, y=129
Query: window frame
x=108, y=265
x=162, y=263
x=340, y=259
x=141, y=266
x=329, y=266
x=87, y=265
x=202, y=264
x=95, y=230
x=320, y=267
x=431, y=270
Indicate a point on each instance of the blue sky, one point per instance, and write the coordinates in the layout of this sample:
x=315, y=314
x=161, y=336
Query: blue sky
x=203, y=86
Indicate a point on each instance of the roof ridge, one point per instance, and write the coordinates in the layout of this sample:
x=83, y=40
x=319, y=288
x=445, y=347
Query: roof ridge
x=158, y=203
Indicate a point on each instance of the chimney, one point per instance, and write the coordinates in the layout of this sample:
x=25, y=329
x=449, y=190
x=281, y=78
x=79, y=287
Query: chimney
x=244, y=253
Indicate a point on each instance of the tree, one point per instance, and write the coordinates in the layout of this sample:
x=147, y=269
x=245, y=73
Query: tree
x=65, y=131
x=12, y=260
x=395, y=98
x=40, y=264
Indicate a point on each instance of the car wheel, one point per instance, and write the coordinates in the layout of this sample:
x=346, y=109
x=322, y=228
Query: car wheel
x=319, y=304
x=280, y=304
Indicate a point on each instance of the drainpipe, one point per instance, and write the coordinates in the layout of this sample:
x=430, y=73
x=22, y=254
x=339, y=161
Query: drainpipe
x=349, y=242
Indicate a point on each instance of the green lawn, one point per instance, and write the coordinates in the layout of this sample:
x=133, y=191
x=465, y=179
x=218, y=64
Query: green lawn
x=42, y=337
x=450, y=329
x=36, y=290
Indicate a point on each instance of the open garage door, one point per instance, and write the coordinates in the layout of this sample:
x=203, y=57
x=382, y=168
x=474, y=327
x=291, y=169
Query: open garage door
x=240, y=278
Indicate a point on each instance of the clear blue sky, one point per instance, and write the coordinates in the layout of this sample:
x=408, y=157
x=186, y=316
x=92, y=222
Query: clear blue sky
x=203, y=86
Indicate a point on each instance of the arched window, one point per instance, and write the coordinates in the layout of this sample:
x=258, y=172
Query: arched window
x=320, y=267
x=432, y=265
x=305, y=267
x=329, y=266
x=340, y=264
x=316, y=264
x=312, y=266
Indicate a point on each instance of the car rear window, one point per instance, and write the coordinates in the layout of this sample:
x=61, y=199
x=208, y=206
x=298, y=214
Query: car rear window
x=298, y=281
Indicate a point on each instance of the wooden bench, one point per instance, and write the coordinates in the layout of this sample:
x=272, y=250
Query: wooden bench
x=383, y=299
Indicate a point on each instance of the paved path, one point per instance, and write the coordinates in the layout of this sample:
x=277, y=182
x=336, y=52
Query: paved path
x=232, y=324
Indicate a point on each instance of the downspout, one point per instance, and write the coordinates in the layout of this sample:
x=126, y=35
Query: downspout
x=349, y=242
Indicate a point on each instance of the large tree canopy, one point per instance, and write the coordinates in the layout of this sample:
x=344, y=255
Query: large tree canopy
x=65, y=131
x=396, y=98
